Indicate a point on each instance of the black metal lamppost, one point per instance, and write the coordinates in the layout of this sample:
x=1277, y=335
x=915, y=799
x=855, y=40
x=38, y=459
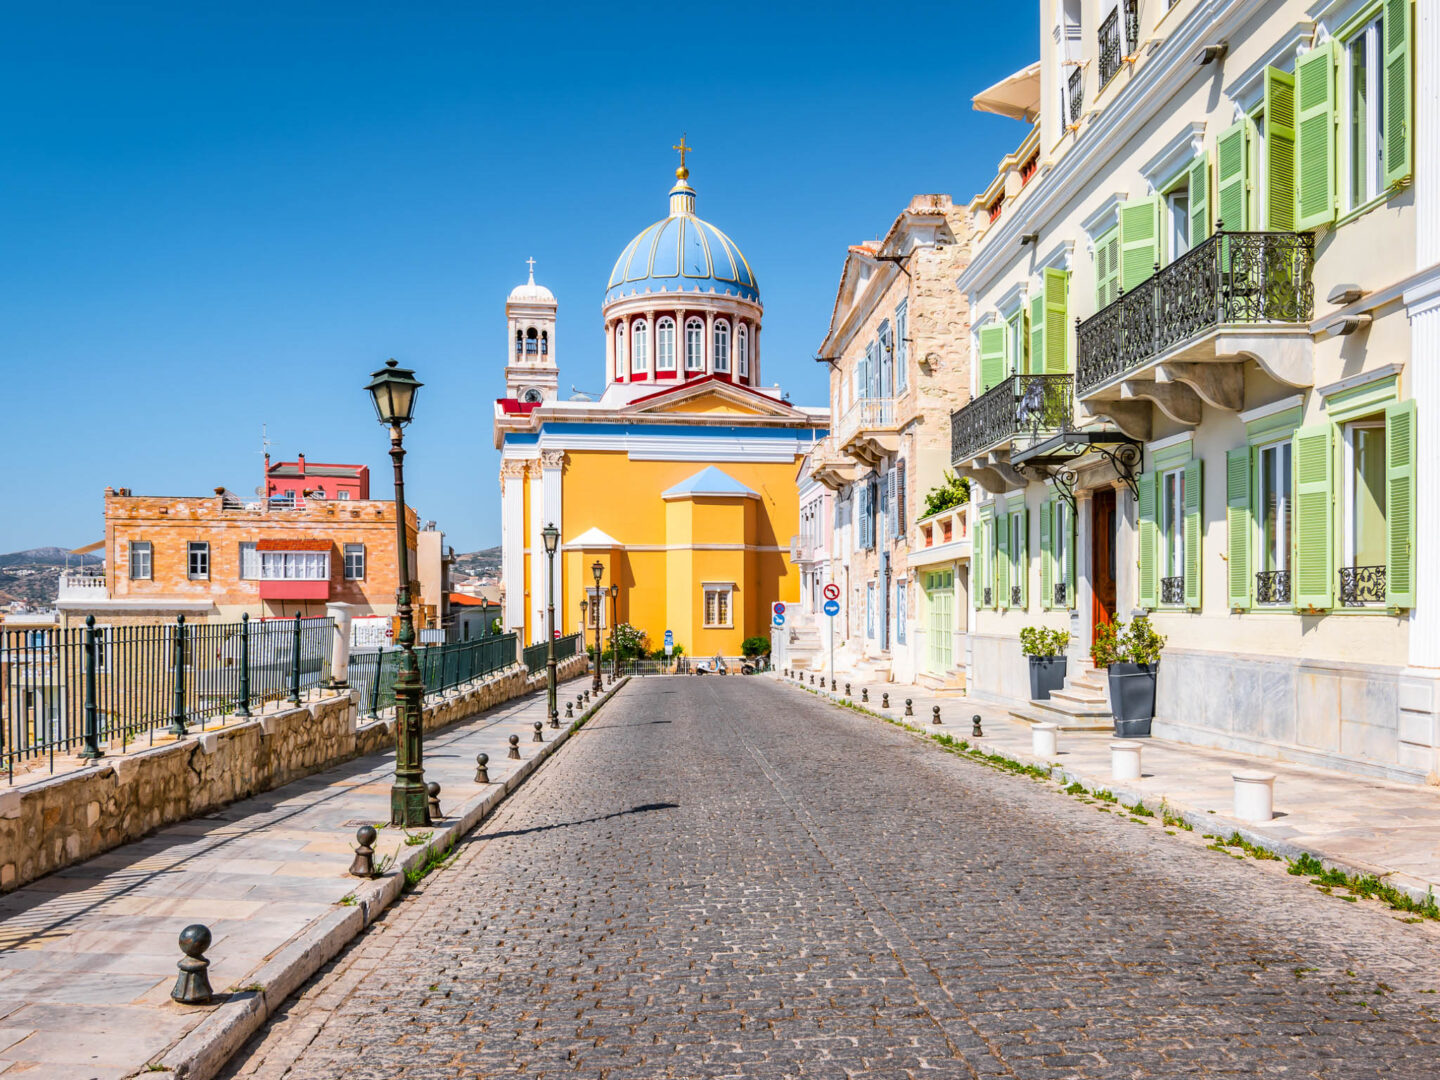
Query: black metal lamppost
x=598, y=569
x=614, y=633
x=584, y=625
x=393, y=390
x=551, y=535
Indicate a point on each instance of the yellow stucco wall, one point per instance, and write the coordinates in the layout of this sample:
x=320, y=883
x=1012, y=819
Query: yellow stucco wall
x=671, y=549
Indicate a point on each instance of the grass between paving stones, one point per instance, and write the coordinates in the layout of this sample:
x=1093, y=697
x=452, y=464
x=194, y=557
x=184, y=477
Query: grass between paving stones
x=1326, y=880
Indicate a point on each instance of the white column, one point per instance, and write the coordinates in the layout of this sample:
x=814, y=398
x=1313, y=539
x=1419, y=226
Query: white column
x=680, y=370
x=755, y=354
x=709, y=343
x=512, y=539
x=610, y=369
x=1127, y=552
x=652, y=346
x=340, y=646
x=536, y=480
x=552, y=470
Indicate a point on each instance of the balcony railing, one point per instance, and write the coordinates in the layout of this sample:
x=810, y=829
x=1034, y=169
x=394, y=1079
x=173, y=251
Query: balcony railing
x=1060, y=594
x=1272, y=587
x=865, y=413
x=1110, y=46
x=1172, y=590
x=85, y=584
x=1132, y=27
x=1032, y=405
x=1077, y=92
x=1361, y=585
x=1233, y=277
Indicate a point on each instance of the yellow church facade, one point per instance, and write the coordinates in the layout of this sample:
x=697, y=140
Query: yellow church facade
x=679, y=481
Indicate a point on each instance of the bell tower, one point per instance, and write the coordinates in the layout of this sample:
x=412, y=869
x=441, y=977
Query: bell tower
x=530, y=371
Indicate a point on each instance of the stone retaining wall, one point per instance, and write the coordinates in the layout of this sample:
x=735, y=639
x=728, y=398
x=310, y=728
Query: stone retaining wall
x=54, y=822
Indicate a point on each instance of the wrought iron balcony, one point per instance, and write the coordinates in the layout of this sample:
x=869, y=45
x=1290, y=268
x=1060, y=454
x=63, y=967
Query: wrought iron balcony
x=1077, y=92
x=1172, y=590
x=1060, y=594
x=1132, y=26
x=1233, y=277
x=1361, y=585
x=1023, y=405
x=1110, y=46
x=1272, y=587
x=1014, y=595
x=989, y=596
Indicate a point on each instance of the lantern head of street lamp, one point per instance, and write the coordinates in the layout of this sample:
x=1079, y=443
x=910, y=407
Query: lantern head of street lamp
x=393, y=390
x=598, y=569
x=551, y=535
x=584, y=609
x=614, y=590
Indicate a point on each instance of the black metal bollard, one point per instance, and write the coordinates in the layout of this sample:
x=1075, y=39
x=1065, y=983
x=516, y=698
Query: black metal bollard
x=295, y=663
x=482, y=768
x=539, y=732
x=432, y=789
x=885, y=700
x=832, y=686
x=865, y=694
x=177, y=713
x=364, y=864
x=587, y=697
x=909, y=707
x=242, y=706
x=935, y=715
x=192, y=987
x=514, y=746
x=975, y=726
x=847, y=689
x=91, y=749
x=569, y=711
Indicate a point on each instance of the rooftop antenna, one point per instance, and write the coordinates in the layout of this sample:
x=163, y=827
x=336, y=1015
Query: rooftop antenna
x=264, y=489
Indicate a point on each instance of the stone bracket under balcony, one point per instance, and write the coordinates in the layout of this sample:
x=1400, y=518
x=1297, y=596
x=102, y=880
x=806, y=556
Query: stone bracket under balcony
x=993, y=472
x=835, y=474
x=871, y=446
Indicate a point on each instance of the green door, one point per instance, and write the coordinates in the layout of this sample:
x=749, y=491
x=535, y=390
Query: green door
x=940, y=598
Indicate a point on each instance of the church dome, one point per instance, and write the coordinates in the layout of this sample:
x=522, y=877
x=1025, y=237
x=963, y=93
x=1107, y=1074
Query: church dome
x=682, y=254
x=530, y=293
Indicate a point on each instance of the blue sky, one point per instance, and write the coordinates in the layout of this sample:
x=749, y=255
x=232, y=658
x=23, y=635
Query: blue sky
x=218, y=216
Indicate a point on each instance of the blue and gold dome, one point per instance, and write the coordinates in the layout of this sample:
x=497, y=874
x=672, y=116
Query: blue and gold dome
x=682, y=254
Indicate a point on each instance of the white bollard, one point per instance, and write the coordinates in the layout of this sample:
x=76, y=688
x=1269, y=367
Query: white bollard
x=1043, y=740
x=1125, y=760
x=343, y=614
x=1254, y=795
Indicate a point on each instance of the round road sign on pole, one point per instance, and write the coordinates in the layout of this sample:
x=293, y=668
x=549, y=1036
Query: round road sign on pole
x=832, y=607
x=832, y=591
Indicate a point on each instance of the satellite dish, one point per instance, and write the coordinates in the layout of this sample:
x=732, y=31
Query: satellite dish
x=259, y=489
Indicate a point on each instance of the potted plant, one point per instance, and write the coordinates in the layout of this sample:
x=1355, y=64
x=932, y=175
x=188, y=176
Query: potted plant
x=1048, y=663
x=1131, y=656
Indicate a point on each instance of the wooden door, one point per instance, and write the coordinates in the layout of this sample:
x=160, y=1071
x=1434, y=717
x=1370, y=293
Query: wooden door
x=1102, y=557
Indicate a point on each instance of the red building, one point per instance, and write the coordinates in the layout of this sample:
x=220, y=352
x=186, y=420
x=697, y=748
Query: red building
x=301, y=479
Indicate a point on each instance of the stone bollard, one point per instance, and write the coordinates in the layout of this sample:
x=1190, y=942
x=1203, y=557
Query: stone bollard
x=885, y=700
x=1044, y=740
x=812, y=679
x=1125, y=759
x=482, y=768
x=432, y=789
x=1254, y=795
x=909, y=707
x=539, y=732
x=935, y=715
x=569, y=711
x=192, y=986
x=975, y=730
x=865, y=694
x=514, y=747
x=832, y=686
x=364, y=864
x=847, y=689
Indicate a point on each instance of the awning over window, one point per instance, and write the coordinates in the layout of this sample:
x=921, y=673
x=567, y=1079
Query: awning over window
x=1016, y=96
x=294, y=545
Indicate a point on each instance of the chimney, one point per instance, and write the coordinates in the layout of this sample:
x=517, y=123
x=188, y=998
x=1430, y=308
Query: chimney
x=301, y=456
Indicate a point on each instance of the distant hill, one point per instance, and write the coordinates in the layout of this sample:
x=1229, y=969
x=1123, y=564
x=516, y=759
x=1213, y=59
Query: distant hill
x=484, y=563
x=33, y=576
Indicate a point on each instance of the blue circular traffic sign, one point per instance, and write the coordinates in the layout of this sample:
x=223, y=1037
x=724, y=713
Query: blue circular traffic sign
x=832, y=607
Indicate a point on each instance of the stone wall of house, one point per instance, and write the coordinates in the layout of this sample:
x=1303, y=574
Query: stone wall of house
x=51, y=823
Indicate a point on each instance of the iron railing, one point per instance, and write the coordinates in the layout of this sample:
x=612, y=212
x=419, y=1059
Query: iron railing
x=1060, y=594
x=864, y=414
x=1172, y=590
x=1077, y=92
x=1110, y=46
x=1272, y=587
x=1361, y=585
x=147, y=677
x=536, y=656
x=442, y=668
x=1031, y=405
x=989, y=597
x=1233, y=277
x=1015, y=596
x=1132, y=26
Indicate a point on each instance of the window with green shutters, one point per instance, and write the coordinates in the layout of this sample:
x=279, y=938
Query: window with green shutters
x=1238, y=526
x=1015, y=343
x=1400, y=504
x=1107, y=268
x=1279, y=196
x=1139, y=240
x=1053, y=355
x=1019, y=546
x=1232, y=177
x=984, y=559
x=1171, y=527
x=1397, y=95
x=1194, y=529
x=1315, y=137
x=992, y=356
x=1037, y=332
x=1145, y=505
x=1002, y=561
x=1198, y=177
x=1057, y=555
x=1314, y=513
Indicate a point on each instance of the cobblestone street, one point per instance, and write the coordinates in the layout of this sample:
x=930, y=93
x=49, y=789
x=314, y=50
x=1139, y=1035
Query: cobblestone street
x=720, y=877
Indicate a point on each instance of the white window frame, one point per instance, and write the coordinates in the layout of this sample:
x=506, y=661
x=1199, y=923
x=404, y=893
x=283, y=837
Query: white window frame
x=902, y=349
x=870, y=610
x=639, y=348
x=350, y=552
x=1060, y=554
x=621, y=360
x=742, y=351
x=146, y=552
x=249, y=559
x=902, y=599
x=595, y=616
x=724, y=592
x=720, y=346
x=665, y=344
x=1172, y=526
x=695, y=335
x=1348, y=453
x=1177, y=235
x=1370, y=37
x=1267, y=476
x=294, y=566
x=197, y=552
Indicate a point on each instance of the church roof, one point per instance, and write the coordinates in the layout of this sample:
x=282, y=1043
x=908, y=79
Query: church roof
x=709, y=481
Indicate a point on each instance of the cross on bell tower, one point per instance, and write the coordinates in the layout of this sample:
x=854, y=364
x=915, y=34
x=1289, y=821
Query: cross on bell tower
x=531, y=375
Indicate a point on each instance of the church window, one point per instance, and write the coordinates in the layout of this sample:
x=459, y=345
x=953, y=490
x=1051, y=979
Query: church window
x=665, y=345
x=722, y=347
x=717, y=607
x=620, y=351
x=694, y=345
x=519, y=342
x=742, y=352
x=640, y=347
x=544, y=342
x=532, y=341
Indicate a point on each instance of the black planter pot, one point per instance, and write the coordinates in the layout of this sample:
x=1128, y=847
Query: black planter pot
x=1047, y=673
x=1132, y=698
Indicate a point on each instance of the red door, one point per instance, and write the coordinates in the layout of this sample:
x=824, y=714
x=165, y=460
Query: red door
x=1102, y=557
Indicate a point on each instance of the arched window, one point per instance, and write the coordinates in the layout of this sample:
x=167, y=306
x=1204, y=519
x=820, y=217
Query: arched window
x=531, y=341
x=742, y=351
x=721, y=346
x=620, y=350
x=544, y=342
x=519, y=342
x=694, y=345
x=640, y=348
x=665, y=345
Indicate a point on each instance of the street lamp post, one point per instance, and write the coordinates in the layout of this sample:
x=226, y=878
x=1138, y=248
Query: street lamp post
x=614, y=633
x=551, y=535
x=598, y=569
x=393, y=390
x=585, y=626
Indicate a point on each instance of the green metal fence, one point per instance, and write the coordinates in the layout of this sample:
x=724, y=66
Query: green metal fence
x=565, y=647
x=442, y=667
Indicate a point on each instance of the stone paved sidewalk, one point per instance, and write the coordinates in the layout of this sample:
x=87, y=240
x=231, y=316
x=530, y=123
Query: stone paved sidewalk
x=88, y=954
x=1357, y=823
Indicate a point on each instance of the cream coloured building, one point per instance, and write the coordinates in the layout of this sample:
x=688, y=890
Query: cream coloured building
x=1204, y=296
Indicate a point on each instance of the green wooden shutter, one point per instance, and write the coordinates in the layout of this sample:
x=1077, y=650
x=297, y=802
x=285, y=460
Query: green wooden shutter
x=1315, y=137
x=1107, y=267
x=1070, y=541
x=1194, y=532
x=1279, y=215
x=992, y=356
x=1232, y=160
x=1146, y=539
x=1002, y=561
x=1055, y=359
x=1314, y=517
x=1238, y=525
x=1400, y=504
x=1199, y=183
x=977, y=560
x=1396, y=96
x=1022, y=558
x=1139, y=240
x=1039, y=331
x=1047, y=573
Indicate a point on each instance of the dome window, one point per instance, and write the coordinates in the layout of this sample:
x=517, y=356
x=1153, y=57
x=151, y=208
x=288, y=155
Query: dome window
x=640, y=348
x=742, y=352
x=721, y=345
x=694, y=345
x=665, y=345
x=620, y=351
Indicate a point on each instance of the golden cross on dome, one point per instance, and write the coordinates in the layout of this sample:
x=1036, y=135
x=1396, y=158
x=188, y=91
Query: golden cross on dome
x=682, y=172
